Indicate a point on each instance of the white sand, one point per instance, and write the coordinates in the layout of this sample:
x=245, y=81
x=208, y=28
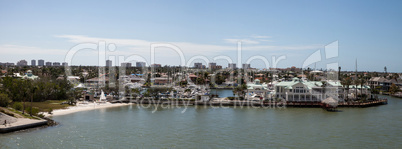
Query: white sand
x=84, y=107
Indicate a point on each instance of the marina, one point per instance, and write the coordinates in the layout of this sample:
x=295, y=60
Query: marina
x=200, y=74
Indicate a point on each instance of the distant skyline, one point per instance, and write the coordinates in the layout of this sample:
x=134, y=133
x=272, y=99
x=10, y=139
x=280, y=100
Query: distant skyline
x=369, y=31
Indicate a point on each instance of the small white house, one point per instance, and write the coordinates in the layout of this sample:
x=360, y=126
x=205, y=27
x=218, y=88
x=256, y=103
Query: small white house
x=257, y=91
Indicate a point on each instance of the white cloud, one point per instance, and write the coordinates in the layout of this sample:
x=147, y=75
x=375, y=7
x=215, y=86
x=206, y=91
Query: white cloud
x=143, y=46
x=129, y=47
x=243, y=41
x=260, y=37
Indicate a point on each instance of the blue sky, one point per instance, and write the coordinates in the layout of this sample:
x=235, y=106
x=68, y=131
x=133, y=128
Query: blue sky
x=369, y=31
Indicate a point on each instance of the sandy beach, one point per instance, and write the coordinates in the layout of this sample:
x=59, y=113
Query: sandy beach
x=84, y=107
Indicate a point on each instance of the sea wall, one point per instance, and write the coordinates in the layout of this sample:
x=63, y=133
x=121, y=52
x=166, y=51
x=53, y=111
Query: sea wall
x=22, y=126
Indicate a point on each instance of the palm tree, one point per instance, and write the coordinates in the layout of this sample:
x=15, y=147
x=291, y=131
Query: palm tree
x=346, y=83
x=324, y=85
x=362, y=82
x=240, y=90
x=33, y=90
x=356, y=82
x=395, y=76
x=393, y=89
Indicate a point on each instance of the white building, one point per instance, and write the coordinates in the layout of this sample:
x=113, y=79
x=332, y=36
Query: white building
x=258, y=91
x=29, y=75
x=309, y=91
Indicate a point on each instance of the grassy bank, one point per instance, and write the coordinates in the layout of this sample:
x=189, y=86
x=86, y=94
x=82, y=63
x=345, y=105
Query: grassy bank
x=47, y=105
x=15, y=113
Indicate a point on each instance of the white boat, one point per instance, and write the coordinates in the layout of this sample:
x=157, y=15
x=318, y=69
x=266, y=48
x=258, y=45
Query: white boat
x=102, y=98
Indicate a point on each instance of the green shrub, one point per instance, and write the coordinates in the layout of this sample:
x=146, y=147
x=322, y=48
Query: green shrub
x=4, y=100
x=35, y=110
x=50, y=111
x=41, y=115
x=17, y=106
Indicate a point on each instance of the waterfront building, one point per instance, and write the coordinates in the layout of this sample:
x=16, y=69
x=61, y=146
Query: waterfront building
x=22, y=63
x=33, y=62
x=64, y=64
x=258, y=91
x=309, y=91
x=384, y=84
x=41, y=62
x=140, y=64
x=97, y=82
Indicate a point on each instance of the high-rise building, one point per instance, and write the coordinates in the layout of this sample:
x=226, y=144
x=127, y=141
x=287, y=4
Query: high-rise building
x=246, y=66
x=56, y=64
x=140, y=64
x=22, y=63
x=232, y=65
x=41, y=62
x=211, y=65
x=64, y=64
x=7, y=64
x=198, y=65
x=125, y=64
x=108, y=63
x=33, y=62
x=48, y=63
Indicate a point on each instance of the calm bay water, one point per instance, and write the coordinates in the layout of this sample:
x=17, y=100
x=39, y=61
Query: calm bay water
x=207, y=127
x=223, y=92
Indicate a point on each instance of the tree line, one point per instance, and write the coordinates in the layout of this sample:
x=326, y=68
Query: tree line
x=21, y=90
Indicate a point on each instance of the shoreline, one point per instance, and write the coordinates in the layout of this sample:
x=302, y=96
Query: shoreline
x=84, y=107
x=92, y=106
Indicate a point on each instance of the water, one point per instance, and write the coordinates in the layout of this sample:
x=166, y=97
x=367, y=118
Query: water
x=223, y=92
x=206, y=127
